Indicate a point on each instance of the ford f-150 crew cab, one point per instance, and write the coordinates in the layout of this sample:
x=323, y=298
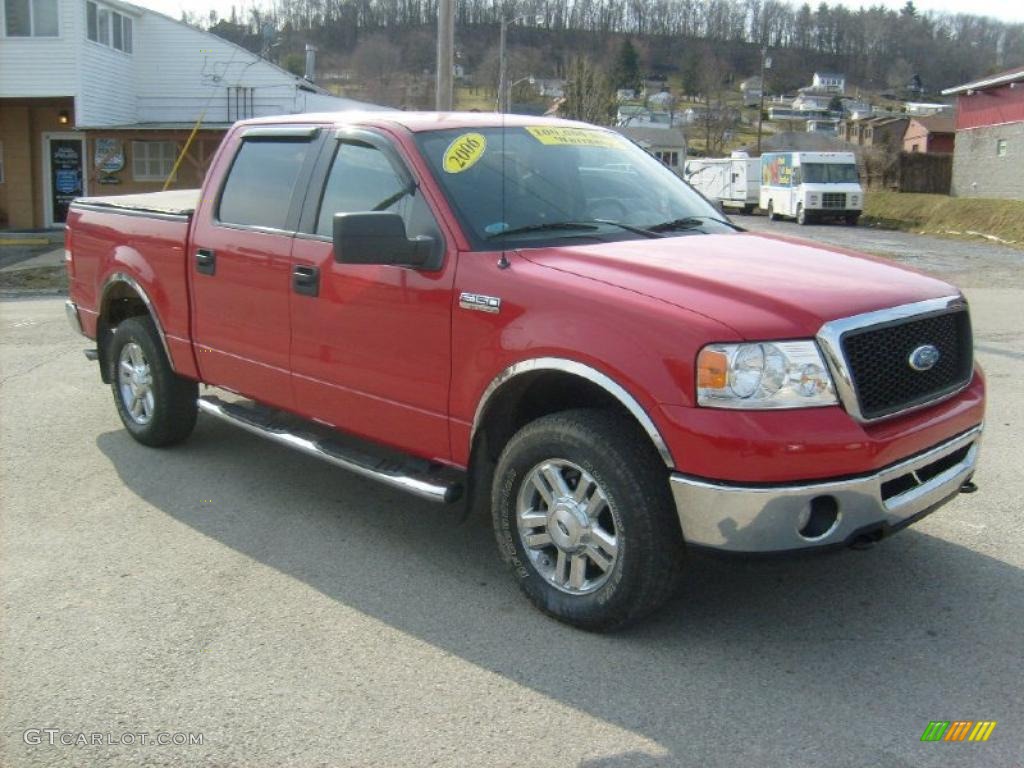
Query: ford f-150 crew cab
x=540, y=318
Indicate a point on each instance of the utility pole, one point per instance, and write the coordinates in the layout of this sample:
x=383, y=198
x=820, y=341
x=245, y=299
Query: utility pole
x=445, y=55
x=766, y=63
x=501, y=66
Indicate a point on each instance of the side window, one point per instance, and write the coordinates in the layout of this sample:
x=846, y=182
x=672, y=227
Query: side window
x=361, y=179
x=258, y=191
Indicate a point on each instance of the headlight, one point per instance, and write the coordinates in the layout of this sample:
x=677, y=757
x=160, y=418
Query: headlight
x=780, y=374
x=812, y=200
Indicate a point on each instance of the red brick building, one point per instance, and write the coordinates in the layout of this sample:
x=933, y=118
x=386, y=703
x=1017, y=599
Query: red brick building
x=934, y=134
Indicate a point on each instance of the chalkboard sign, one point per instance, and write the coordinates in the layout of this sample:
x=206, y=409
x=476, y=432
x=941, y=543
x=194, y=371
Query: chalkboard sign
x=66, y=164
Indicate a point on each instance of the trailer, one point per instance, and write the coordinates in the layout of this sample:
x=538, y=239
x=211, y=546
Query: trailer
x=734, y=182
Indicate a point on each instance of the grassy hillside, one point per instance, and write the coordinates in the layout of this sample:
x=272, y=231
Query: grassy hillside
x=951, y=216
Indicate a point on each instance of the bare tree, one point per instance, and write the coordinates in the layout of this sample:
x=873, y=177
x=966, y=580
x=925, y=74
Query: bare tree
x=588, y=94
x=377, y=62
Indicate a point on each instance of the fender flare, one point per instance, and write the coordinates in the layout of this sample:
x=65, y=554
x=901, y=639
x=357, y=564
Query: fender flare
x=583, y=371
x=121, y=277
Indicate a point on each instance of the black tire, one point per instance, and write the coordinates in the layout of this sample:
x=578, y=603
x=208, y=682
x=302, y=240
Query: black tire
x=173, y=414
x=852, y=219
x=620, y=459
x=771, y=212
x=802, y=217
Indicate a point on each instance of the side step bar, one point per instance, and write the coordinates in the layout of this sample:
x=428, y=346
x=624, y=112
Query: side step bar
x=425, y=479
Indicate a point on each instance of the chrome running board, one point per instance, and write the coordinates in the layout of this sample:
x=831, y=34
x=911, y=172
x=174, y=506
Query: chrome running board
x=425, y=479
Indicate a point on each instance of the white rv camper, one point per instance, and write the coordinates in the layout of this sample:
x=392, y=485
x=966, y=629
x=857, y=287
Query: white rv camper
x=735, y=181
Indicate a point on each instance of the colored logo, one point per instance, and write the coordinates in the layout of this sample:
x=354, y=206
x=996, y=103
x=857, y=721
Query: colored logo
x=924, y=358
x=958, y=730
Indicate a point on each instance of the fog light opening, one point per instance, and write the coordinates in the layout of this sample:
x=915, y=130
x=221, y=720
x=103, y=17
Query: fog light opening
x=822, y=518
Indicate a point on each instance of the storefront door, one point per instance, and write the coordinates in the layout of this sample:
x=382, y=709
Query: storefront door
x=63, y=174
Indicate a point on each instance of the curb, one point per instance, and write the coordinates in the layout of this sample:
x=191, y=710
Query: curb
x=29, y=293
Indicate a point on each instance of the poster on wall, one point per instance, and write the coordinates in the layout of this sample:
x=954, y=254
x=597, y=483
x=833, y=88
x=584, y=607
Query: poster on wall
x=109, y=155
x=66, y=163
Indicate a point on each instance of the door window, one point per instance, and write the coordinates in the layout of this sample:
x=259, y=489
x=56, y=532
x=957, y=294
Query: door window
x=361, y=179
x=258, y=191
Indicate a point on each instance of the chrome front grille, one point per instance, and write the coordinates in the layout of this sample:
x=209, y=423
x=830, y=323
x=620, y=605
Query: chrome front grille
x=833, y=200
x=870, y=356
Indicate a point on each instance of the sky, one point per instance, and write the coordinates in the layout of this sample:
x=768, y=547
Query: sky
x=1005, y=10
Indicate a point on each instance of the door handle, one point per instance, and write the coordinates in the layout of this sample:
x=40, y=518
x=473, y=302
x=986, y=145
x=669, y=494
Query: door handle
x=306, y=280
x=206, y=261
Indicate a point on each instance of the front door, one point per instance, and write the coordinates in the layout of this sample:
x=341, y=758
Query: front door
x=371, y=343
x=63, y=174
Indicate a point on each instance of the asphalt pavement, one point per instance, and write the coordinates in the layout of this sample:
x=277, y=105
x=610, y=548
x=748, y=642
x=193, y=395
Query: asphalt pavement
x=286, y=613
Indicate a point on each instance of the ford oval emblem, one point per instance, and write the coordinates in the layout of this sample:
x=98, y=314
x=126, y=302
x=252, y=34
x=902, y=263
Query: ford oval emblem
x=924, y=358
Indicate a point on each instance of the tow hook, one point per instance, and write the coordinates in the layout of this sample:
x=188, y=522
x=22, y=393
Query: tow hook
x=968, y=487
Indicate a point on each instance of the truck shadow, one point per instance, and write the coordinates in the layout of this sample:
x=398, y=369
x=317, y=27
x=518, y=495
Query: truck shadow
x=859, y=644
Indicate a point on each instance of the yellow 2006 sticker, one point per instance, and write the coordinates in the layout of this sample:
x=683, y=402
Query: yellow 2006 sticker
x=463, y=152
x=577, y=137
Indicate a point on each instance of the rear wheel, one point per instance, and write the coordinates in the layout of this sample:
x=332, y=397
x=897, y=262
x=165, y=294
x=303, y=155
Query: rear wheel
x=584, y=516
x=156, y=406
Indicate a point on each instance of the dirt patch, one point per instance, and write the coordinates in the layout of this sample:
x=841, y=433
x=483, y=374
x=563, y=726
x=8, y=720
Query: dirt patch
x=998, y=221
x=34, y=278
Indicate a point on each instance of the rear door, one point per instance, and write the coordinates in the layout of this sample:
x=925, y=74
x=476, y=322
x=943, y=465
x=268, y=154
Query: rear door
x=240, y=262
x=371, y=343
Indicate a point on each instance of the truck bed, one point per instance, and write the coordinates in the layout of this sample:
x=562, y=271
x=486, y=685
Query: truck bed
x=174, y=202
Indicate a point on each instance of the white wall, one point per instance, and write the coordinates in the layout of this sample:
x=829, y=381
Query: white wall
x=107, y=78
x=42, y=66
x=183, y=70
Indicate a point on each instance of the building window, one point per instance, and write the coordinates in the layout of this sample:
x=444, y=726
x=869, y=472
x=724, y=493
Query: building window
x=1001, y=148
x=30, y=18
x=915, y=147
x=108, y=27
x=153, y=160
x=671, y=159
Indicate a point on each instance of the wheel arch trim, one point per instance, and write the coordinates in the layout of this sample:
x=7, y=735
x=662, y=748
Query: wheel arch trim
x=125, y=279
x=583, y=371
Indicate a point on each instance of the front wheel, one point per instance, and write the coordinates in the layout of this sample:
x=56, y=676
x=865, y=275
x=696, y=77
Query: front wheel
x=852, y=219
x=584, y=516
x=771, y=212
x=156, y=406
x=801, y=215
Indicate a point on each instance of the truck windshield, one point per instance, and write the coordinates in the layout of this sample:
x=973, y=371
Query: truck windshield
x=528, y=185
x=830, y=173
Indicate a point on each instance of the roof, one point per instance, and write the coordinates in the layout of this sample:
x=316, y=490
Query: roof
x=419, y=121
x=830, y=74
x=1015, y=75
x=655, y=137
x=937, y=123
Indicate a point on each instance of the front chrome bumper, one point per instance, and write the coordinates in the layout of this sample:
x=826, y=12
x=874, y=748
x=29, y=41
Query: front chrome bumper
x=781, y=518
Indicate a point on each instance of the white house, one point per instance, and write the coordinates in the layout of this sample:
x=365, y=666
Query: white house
x=829, y=81
x=101, y=96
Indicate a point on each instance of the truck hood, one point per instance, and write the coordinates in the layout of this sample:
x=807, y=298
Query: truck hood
x=761, y=286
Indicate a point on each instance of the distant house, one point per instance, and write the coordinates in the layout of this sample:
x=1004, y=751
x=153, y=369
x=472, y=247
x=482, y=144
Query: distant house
x=752, y=91
x=933, y=134
x=625, y=94
x=550, y=87
x=853, y=107
x=99, y=96
x=830, y=82
x=828, y=125
x=668, y=145
x=653, y=85
x=885, y=132
x=661, y=99
x=812, y=102
x=988, y=157
x=924, y=109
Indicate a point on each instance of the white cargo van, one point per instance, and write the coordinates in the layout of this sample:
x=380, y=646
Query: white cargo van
x=809, y=186
x=734, y=181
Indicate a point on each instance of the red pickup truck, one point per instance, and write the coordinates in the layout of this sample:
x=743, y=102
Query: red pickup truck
x=536, y=316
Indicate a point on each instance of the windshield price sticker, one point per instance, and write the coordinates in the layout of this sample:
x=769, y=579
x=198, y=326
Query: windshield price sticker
x=573, y=137
x=464, y=152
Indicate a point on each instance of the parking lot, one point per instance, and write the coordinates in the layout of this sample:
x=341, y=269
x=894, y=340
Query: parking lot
x=294, y=615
